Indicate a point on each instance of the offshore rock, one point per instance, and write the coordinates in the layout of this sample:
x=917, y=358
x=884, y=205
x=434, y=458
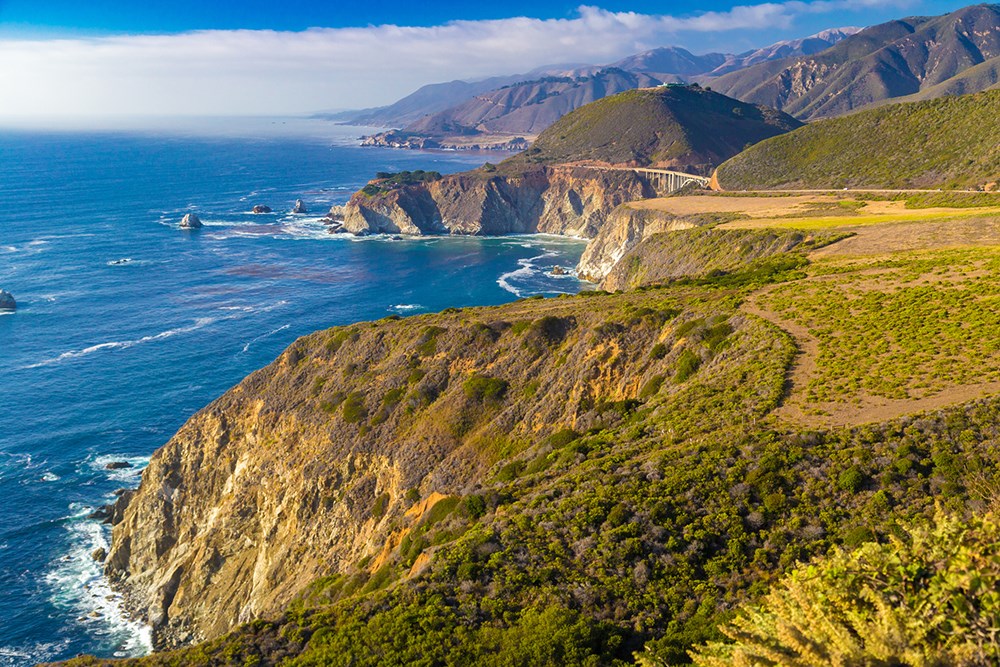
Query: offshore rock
x=191, y=221
x=299, y=207
x=261, y=208
x=7, y=301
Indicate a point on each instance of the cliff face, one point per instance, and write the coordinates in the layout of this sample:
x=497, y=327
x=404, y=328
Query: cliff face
x=557, y=200
x=626, y=228
x=318, y=461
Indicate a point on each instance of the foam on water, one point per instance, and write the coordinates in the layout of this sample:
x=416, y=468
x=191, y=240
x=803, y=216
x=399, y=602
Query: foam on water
x=200, y=323
x=79, y=587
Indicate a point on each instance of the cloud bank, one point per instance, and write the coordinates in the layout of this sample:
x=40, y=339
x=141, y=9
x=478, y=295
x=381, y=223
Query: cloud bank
x=266, y=72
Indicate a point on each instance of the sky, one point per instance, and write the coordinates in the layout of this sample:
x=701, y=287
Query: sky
x=87, y=59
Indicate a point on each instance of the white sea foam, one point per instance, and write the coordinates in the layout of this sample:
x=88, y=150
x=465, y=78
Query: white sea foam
x=125, y=476
x=527, y=268
x=246, y=348
x=406, y=307
x=78, y=586
x=18, y=656
x=50, y=477
x=200, y=323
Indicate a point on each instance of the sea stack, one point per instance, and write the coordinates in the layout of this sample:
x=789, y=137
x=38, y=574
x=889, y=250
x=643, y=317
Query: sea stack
x=261, y=208
x=7, y=301
x=299, y=207
x=191, y=221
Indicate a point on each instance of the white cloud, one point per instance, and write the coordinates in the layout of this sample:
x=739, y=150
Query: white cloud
x=267, y=72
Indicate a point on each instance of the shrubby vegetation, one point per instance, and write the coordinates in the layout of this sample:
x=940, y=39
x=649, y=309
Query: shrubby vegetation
x=949, y=142
x=385, y=181
x=930, y=596
x=656, y=495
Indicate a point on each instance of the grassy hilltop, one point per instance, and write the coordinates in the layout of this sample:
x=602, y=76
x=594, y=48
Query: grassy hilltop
x=679, y=127
x=950, y=142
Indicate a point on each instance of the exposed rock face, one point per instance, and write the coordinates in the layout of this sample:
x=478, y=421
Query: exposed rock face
x=557, y=200
x=299, y=207
x=261, y=208
x=661, y=257
x=625, y=229
x=191, y=221
x=276, y=483
x=7, y=301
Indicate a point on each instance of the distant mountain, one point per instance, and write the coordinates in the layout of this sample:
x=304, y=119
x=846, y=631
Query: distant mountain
x=947, y=142
x=672, y=62
x=442, y=110
x=425, y=100
x=530, y=107
x=511, y=113
x=908, y=57
x=787, y=49
x=680, y=127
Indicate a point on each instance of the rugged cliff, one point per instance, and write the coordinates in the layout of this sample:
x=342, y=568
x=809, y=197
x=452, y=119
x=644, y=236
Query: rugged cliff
x=558, y=200
x=329, y=456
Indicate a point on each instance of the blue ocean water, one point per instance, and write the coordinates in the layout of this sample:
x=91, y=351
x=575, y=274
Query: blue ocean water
x=127, y=324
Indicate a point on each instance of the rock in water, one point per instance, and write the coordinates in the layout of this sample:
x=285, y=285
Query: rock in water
x=261, y=208
x=558, y=271
x=118, y=465
x=191, y=221
x=99, y=554
x=299, y=207
x=7, y=301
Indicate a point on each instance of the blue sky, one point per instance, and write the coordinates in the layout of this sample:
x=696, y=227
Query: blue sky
x=108, y=58
x=61, y=17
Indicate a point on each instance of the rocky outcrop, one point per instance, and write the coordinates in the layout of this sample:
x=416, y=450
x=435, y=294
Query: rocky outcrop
x=575, y=201
x=7, y=301
x=261, y=208
x=313, y=466
x=299, y=207
x=626, y=228
x=191, y=221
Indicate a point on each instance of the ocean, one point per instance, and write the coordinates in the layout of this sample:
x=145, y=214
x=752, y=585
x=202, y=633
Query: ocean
x=127, y=325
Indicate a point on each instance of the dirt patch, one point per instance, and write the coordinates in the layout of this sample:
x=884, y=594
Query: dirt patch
x=902, y=237
x=863, y=408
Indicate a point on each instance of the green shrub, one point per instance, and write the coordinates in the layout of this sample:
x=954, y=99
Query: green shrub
x=652, y=386
x=928, y=597
x=354, y=409
x=851, y=480
x=483, y=388
x=687, y=364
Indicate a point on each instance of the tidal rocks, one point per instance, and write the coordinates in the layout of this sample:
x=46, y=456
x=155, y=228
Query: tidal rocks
x=261, y=208
x=299, y=207
x=558, y=271
x=118, y=465
x=7, y=301
x=99, y=554
x=191, y=221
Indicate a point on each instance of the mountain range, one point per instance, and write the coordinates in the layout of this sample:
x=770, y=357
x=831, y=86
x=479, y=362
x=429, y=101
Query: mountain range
x=451, y=114
x=917, y=57
x=827, y=74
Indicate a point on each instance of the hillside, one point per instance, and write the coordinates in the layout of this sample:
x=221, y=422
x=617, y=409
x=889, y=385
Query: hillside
x=950, y=142
x=686, y=128
x=891, y=60
x=602, y=478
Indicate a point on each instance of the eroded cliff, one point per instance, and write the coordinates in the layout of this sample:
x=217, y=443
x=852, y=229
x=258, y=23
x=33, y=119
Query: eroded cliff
x=557, y=200
x=315, y=463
